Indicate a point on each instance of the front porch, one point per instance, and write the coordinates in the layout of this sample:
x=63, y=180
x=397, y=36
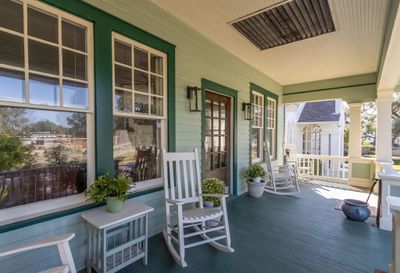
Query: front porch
x=301, y=234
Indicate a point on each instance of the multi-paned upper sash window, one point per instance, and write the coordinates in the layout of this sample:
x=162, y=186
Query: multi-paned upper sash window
x=139, y=86
x=271, y=126
x=46, y=103
x=257, y=131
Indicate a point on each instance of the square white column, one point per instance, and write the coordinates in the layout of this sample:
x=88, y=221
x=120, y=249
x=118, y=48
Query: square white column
x=355, y=130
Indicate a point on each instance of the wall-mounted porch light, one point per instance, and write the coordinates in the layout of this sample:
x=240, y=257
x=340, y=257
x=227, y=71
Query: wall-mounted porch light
x=247, y=109
x=194, y=96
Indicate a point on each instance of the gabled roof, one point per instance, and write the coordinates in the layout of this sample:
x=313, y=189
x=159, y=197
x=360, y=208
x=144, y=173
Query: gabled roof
x=319, y=111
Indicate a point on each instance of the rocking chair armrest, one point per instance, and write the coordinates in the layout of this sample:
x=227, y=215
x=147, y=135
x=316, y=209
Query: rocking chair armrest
x=174, y=202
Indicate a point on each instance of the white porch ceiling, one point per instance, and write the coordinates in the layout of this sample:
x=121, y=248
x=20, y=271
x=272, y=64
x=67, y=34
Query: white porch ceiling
x=354, y=48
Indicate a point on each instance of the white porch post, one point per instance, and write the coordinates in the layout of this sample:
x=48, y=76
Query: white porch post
x=384, y=127
x=355, y=130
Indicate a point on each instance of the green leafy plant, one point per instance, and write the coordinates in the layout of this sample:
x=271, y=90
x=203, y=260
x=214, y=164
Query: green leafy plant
x=212, y=186
x=108, y=186
x=12, y=152
x=255, y=170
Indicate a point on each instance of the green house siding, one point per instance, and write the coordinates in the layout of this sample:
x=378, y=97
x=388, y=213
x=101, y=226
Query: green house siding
x=191, y=58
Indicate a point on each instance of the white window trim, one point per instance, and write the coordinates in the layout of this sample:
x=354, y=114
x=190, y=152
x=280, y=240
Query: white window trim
x=273, y=127
x=260, y=128
x=147, y=184
x=32, y=210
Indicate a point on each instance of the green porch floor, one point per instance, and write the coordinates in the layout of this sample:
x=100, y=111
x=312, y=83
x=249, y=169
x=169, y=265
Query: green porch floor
x=300, y=234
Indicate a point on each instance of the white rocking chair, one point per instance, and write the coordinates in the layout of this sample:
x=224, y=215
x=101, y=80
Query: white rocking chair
x=64, y=251
x=284, y=180
x=184, y=208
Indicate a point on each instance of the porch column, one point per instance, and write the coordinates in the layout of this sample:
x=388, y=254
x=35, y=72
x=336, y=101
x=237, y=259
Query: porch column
x=384, y=127
x=355, y=130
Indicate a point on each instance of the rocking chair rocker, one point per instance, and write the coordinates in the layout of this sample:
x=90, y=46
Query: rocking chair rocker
x=284, y=180
x=184, y=208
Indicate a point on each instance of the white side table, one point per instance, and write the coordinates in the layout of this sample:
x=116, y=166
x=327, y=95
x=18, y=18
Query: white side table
x=116, y=240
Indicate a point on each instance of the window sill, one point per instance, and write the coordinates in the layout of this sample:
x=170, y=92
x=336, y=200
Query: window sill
x=30, y=214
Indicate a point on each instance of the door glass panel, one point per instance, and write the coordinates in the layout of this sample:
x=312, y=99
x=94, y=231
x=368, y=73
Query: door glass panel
x=157, y=84
x=222, y=124
x=12, y=85
x=122, y=53
x=216, y=109
x=207, y=144
x=156, y=64
x=208, y=126
x=156, y=106
x=216, y=144
x=74, y=36
x=223, y=144
x=141, y=81
x=141, y=104
x=123, y=77
x=44, y=90
x=141, y=59
x=215, y=161
x=11, y=15
x=75, y=94
x=208, y=162
x=215, y=126
x=42, y=25
x=11, y=49
x=74, y=65
x=223, y=110
x=123, y=101
x=208, y=108
x=223, y=159
x=43, y=57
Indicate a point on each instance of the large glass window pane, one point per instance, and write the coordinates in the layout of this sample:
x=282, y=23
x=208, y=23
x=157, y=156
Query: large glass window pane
x=157, y=85
x=73, y=36
x=11, y=15
x=43, y=57
x=11, y=49
x=12, y=85
x=46, y=155
x=74, y=65
x=255, y=143
x=156, y=64
x=123, y=77
x=137, y=145
x=44, y=90
x=75, y=94
x=123, y=101
x=141, y=104
x=141, y=81
x=122, y=53
x=141, y=59
x=42, y=25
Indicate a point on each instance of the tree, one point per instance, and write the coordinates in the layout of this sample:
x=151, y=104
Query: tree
x=12, y=120
x=12, y=152
x=30, y=158
x=56, y=155
x=47, y=126
x=77, y=123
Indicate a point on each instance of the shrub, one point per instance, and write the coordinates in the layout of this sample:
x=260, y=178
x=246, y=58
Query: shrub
x=212, y=186
x=255, y=170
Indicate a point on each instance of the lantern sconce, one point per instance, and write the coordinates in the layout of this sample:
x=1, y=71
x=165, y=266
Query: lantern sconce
x=247, y=109
x=194, y=96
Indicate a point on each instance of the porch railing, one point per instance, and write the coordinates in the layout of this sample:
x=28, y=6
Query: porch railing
x=32, y=185
x=323, y=167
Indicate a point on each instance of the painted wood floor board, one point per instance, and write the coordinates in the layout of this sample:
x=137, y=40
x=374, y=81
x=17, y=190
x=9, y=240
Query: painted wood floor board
x=278, y=234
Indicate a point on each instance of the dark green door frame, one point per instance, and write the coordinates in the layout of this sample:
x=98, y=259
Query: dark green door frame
x=267, y=94
x=226, y=91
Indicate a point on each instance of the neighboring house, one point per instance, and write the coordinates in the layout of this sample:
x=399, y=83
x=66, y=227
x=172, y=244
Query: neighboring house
x=316, y=127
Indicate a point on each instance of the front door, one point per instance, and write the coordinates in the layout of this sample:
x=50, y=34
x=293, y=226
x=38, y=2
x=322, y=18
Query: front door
x=218, y=137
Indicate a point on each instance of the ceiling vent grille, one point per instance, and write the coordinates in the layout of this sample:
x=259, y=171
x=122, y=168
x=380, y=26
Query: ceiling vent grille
x=286, y=23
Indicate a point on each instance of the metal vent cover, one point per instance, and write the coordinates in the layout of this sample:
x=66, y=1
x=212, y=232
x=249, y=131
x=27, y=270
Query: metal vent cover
x=286, y=22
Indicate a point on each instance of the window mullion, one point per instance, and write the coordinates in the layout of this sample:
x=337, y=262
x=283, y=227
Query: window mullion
x=60, y=61
x=26, y=48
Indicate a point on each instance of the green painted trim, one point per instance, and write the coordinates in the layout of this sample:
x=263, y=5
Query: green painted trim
x=104, y=24
x=224, y=90
x=267, y=94
x=62, y=213
x=325, y=89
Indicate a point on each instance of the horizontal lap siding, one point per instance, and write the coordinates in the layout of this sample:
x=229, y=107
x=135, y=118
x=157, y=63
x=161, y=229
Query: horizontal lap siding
x=196, y=58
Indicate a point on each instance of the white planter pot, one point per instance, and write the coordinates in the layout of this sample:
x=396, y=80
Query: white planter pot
x=257, y=179
x=256, y=189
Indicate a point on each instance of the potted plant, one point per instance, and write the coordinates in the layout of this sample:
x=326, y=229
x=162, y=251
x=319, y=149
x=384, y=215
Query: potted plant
x=254, y=173
x=112, y=189
x=212, y=186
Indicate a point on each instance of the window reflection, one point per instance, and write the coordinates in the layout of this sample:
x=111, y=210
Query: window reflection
x=137, y=145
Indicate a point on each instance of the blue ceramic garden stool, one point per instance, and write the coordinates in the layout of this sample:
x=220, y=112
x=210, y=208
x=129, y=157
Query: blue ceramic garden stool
x=356, y=210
